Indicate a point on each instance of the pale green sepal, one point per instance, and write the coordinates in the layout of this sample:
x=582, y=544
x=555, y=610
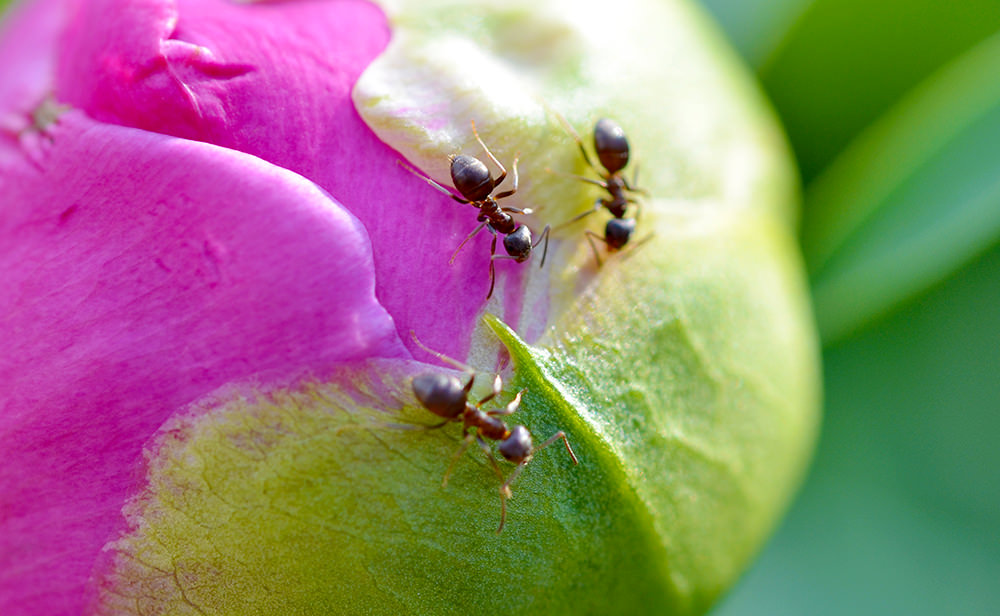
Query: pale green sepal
x=692, y=359
x=698, y=126
x=313, y=500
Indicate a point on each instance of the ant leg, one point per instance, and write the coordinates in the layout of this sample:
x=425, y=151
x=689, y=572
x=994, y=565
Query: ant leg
x=517, y=210
x=576, y=137
x=497, y=388
x=545, y=250
x=517, y=471
x=590, y=235
x=469, y=437
x=513, y=189
x=474, y=233
x=504, y=490
x=634, y=186
x=635, y=179
x=598, y=204
x=634, y=246
x=511, y=257
x=558, y=435
x=431, y=182
x=390, y=426
x=511, y=407
x=489, y=456
x=600, y=183
x=503, y=172
x=503, y=511
x=493, y=256
x=497, y=381
x=638, y=207
x=468, y=386
x=448, y=360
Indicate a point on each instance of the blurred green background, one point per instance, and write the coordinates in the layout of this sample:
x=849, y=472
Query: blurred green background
x=893, y=110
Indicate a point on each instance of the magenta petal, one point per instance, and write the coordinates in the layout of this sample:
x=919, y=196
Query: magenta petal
x=28, y=36
x=138, y=273
x=274, y=80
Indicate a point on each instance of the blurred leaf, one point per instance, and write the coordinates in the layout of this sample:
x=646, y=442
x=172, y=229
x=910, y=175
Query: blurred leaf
x=901, y=514
x=755, y=27
x=911, y=200
x=844, y=61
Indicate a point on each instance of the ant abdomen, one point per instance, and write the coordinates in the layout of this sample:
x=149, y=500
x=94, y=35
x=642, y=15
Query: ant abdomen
x=471, y=177
x=611, y=145
x=442, y=394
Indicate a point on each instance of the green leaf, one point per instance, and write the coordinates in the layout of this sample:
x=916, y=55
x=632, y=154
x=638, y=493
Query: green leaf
x=913, y=199
x=843, y=62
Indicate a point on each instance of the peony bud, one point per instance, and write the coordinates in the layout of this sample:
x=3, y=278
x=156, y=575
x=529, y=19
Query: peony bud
x=213, y=252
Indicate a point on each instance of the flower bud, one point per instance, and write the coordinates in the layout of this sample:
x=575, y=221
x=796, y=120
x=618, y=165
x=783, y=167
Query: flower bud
x=231, y=267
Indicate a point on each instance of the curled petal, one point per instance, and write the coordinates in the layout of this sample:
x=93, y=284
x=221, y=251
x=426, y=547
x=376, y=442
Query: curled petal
x=274, y=80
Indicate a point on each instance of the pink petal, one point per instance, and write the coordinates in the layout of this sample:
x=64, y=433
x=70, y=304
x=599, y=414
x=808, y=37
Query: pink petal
x=274, y=80
x=28, y=36
x=139, y=273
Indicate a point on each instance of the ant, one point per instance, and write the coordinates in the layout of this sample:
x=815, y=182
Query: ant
x=612, y=150
x=472, y=179
x=446, y=396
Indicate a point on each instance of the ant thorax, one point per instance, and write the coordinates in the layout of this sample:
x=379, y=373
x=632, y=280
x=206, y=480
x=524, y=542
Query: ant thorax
x=501, y=221
x=619, y=201
x=490, y=427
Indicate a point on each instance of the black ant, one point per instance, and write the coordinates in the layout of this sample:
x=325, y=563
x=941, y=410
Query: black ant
x=446, y=396
x=472, y=179
x=612, y=150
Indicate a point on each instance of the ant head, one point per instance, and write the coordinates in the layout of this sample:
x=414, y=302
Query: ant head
x=471, y=177
x=518, y=243
x=618, y=231
x=441, y=394
x=518, y=446
x=611, y=145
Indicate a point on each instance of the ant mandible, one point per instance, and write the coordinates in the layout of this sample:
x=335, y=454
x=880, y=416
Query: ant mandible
x=446, y=396
x=612, y=150
x=472, y=179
